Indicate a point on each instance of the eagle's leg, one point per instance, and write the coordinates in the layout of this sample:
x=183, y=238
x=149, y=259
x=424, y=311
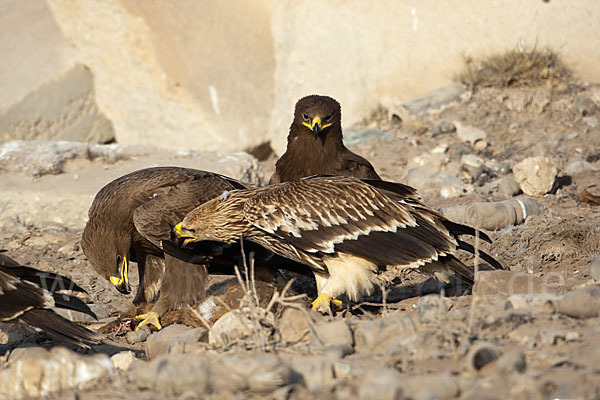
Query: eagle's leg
x=150, y=318
x=323, y=302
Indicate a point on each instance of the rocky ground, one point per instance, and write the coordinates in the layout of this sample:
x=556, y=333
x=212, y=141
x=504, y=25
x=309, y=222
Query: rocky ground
x=528, y=332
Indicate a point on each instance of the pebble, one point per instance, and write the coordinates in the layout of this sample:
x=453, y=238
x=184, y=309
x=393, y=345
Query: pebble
x=172, y=339
x=579, y=166
x=293, y=326
x=508, y=187
x=444, y=125
x=530, y=302
x=585, y=106
x=387, y=335
x=123, y=360
x=432, y=308
x=472, y=167
x=138, y=336
x=510, y=362
x=333, y=337
x=69, y=248
x=536, y=175
x=237, y=325
x=474, y=136
x=595, y=269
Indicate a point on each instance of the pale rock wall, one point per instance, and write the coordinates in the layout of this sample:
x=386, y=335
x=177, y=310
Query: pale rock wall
x=45, y=93
x=224, y=75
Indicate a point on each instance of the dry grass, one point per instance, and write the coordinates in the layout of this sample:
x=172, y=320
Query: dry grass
x=520, y=67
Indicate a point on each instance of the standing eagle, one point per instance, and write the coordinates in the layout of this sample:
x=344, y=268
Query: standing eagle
x=315, y=144
x=128, y=220
x=343, y=228
x=28, y=295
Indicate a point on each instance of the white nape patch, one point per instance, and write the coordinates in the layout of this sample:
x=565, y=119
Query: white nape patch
x=207, y=308
x=224, y=196
x=349, y=275
x=214, y=99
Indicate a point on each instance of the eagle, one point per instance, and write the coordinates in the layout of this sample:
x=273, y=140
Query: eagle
x=28, y=295
x=315, y=144
x=344, y=229
x=128, y=220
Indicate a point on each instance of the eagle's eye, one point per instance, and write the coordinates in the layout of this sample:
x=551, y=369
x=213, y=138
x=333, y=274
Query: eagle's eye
x=305, y=117
x=328, y=118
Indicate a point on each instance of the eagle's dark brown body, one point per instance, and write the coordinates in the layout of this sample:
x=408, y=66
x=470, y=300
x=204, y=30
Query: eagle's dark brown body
x=132, y=215
x=28, y=295
x=315, y=144
x=344, y=229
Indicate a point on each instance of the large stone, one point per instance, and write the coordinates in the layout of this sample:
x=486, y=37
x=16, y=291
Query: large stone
x=536, y=175
x=57, y=370
x=227, y=373
x=46, y=93
x=240, y=324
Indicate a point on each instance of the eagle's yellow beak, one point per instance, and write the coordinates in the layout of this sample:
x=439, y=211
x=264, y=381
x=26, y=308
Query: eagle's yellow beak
x=316, y=125
x=121, y=282
x=183, y=235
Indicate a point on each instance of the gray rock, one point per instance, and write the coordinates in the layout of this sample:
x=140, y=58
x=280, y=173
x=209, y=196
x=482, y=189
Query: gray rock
x=38, y=158
x=592, y=121
x=333, y=337
x=511, y=362
x=536, y=175
x=432, y=308
x=317, y=371
x=352, y=137
x=293, y=326
x=380, y=383
x=444, y=125
x=57, y=370
x=123, y=360
x=508, y=187
x=433, y=386
x=172, y=339
x=472, y=167
x=594, y=268
x=436, y=99
x=239, y=324
x=585, y=106
x=474, y=136
x=579, y=166
x=436, y=183
x=387, y=335
x=139, y=335
x=226, y=373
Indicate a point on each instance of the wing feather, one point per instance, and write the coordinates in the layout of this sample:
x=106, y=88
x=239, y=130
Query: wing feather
x=330, y=214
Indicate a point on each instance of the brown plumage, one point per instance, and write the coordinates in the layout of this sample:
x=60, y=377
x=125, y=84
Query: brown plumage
x=28, y=295
x=315, y=145
x=344, y=229
x=132, y=215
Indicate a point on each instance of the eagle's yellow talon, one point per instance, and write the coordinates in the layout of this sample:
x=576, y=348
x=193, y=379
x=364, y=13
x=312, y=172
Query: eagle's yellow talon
x=150, y=318
x=322, y=303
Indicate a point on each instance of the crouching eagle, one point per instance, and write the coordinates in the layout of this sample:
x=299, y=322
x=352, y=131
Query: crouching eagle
x=345, y=229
